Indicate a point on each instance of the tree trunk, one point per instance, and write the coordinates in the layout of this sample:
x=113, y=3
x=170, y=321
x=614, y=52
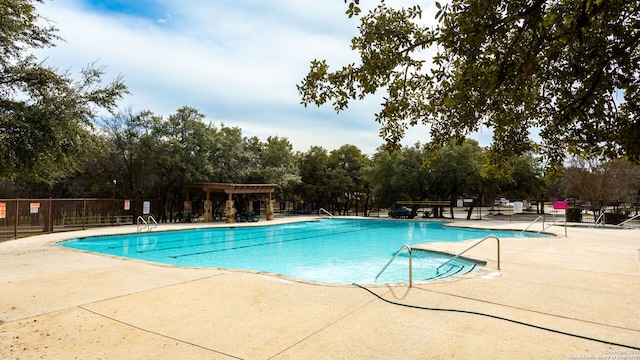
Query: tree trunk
x=346, y=205
x=469, y=212
x=365, y=209
x=357, y=202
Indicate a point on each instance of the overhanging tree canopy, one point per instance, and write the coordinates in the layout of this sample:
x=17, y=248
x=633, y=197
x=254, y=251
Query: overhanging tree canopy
x=45, y=116
x=568, y=68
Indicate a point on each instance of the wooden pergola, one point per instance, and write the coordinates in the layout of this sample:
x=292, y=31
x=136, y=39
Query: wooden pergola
x=230, y=190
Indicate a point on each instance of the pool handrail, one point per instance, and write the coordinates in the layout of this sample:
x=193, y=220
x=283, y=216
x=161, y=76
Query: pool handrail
x=141, y=221
x=152, y=219
x=323, y=210
x=601, y=217
x=471, y=247
x=629, y=219
x=535, y=221
x=410, y=251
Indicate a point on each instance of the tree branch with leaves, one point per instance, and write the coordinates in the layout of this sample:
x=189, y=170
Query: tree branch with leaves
x=46, y=116
x=569, y=69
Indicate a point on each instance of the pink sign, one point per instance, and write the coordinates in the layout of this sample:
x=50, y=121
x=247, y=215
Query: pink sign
x=560, y=205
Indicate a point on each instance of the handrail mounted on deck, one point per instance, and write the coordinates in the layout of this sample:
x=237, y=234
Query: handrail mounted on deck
x=471, y=247
x=626, y=221
x=535, y=221
x=410, y=251
x=146, y=224
x=142, y=223
x=322, y=210
x=150, y=220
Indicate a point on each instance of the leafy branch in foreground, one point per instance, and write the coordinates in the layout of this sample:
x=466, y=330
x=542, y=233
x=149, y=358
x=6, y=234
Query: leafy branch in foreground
x=568, y=69
x=45, y=115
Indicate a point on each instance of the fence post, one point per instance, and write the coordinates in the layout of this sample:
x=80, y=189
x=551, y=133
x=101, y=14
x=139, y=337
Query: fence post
x=50, y=222
x=84, y=213
x=15, y=228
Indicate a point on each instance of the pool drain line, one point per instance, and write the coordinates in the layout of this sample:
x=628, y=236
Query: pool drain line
x=498, y=318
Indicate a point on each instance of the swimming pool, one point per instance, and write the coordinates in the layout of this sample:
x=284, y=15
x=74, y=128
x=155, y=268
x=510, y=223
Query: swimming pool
x=339, y=251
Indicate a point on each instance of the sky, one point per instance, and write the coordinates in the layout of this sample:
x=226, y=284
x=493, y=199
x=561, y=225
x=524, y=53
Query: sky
x=236, y=61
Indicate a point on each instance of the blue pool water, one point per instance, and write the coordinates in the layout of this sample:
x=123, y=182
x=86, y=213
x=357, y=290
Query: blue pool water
x=339, y=251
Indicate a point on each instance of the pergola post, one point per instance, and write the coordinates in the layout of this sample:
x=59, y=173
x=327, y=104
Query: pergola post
x=188, y=206
x=270, y=208
x=208, y=209
x=230, y=210
x=250, y=206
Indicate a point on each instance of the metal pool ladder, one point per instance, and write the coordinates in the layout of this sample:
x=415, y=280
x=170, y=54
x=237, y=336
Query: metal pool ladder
x=144, y=224
x=471, y=247
x=410, y=251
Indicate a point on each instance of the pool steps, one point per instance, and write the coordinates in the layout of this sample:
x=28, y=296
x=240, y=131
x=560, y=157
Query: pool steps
x=450, y=261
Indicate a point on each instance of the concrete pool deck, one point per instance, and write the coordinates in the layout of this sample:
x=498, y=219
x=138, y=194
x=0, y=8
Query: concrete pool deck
x=60, y=303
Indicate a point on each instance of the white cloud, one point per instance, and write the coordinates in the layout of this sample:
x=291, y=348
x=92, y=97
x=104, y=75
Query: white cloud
x=237, y=62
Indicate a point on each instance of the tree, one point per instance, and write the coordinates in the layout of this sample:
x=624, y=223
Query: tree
x=400, y=175
x=45, y=116
x=129, y=144
x=231, y=156
x=278, y=165
x=455, y=170
x=313, y=175
x=525, y=178
x=345, y=176
x=568, y=68
x=599, y=183
x=183, y=154
x=516, y=177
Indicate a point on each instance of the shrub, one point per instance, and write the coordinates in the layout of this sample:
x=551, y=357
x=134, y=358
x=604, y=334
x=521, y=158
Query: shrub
x=614, y=219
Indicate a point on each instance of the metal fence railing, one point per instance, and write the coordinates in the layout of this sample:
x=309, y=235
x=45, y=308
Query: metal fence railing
x=507, y=214
x=24, y=217
x=550, y=216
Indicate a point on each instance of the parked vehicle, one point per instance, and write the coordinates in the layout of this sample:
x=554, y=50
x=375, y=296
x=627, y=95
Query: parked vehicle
x=401, y=212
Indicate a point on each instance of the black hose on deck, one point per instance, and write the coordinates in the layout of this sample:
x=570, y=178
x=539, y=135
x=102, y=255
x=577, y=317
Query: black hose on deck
x=499, y=318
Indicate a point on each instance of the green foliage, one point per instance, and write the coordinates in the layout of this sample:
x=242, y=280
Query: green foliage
x=400, y=175
x=154, y=157
x=313, y=175
x=129, y=144
x=445, y=172
x=455, y=169
x=518, y=177
x=568, y=68
x=45, y=116
x=353, y=9
x=275, y=163
x=19, y=30
x=328, y=179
